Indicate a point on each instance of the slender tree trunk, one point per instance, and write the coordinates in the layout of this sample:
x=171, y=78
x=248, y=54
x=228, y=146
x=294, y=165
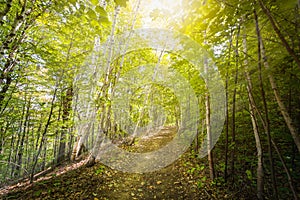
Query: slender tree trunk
x=295, y=93
x=38, y=135
x=233, y=126
x=283, y=109
x=281, y=105
x=209, y=136
x=44, y=156
x=260, y=170
x=287, y=171
x=147, y=98
x=208, y=120
x=27, y=146
x=71, y=144
x=104, y=92
x=10, y=154
x=23, y=19
x=266, y=118
x=227, y=111
x=4, y=89
x=197, y=134
x=4, y=105
x=21, y=150
x=279, y=34
x=18, y=151
x=294, y=108
x=108, y=120
x=55, y=143
x=2, y=137
x=43, y=136
x=66, y=104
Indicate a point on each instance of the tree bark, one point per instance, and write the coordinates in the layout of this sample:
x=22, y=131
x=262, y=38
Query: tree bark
x=283, y=109
x=279, y=34
x=260, y=170
x=233, y=126
x=287, y=171
x=24, y=126
x=67, y=100
x=227, y=110
x=207, y=119
x=43, y=136
x=209, y=138
x=266, y=111
x=18, y=23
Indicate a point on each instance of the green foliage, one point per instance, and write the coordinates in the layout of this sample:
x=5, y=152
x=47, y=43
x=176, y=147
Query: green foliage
x=201, y=182
x=121, y=3
x=100, y=170
x=196, y=170
x=46, y=46
x=249, y=175
x=37, y=193
x=95, y=2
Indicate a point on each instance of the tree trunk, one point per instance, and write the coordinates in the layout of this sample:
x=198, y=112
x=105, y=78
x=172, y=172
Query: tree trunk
x=283, y=109
x=67, y=100
x=21, y=148
x=20, y=141
x=18, y=24
x=104, y=92
x=12, y=143
x=55, y=143
x=44, y=156
x=207, y=117
x=43, y=136
x=265, y=106
x=209, y=138
x=233, y=126
x=287, y=171
x=279, y=34
x=4, y=89
x=260, y=170
x=227, y=111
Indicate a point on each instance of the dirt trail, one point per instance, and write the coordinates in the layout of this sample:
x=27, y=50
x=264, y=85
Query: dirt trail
x=183, y=179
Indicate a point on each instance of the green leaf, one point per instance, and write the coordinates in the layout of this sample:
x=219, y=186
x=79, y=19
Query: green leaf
x=73, y=2
x=104, y=20
x=95, y=23
x=101, y=11
x=91, y=14
x=249, y=174
x=121, y=3
x=95, y=2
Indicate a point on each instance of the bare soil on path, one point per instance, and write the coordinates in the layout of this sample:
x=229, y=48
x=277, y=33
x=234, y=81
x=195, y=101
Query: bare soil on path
x=186, y=178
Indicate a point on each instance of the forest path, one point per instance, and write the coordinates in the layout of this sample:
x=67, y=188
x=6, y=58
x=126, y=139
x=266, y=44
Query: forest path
x=183, y=179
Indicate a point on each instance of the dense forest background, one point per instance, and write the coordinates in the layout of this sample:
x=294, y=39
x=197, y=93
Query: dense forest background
x=48, y=50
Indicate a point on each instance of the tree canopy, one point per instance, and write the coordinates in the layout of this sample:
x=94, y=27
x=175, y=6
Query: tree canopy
x=69, y=80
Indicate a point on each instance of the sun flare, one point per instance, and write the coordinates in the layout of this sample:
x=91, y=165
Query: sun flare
x=160, y=13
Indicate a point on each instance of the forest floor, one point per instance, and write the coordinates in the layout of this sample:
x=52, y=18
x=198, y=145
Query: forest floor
x=186, y=178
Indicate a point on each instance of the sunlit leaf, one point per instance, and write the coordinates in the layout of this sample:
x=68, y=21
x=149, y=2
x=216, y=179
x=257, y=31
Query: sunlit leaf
x=101, y=11
x=73, y=1
x=121, y=3
x=104, y=20
x=91, y=14
x=95, y=2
